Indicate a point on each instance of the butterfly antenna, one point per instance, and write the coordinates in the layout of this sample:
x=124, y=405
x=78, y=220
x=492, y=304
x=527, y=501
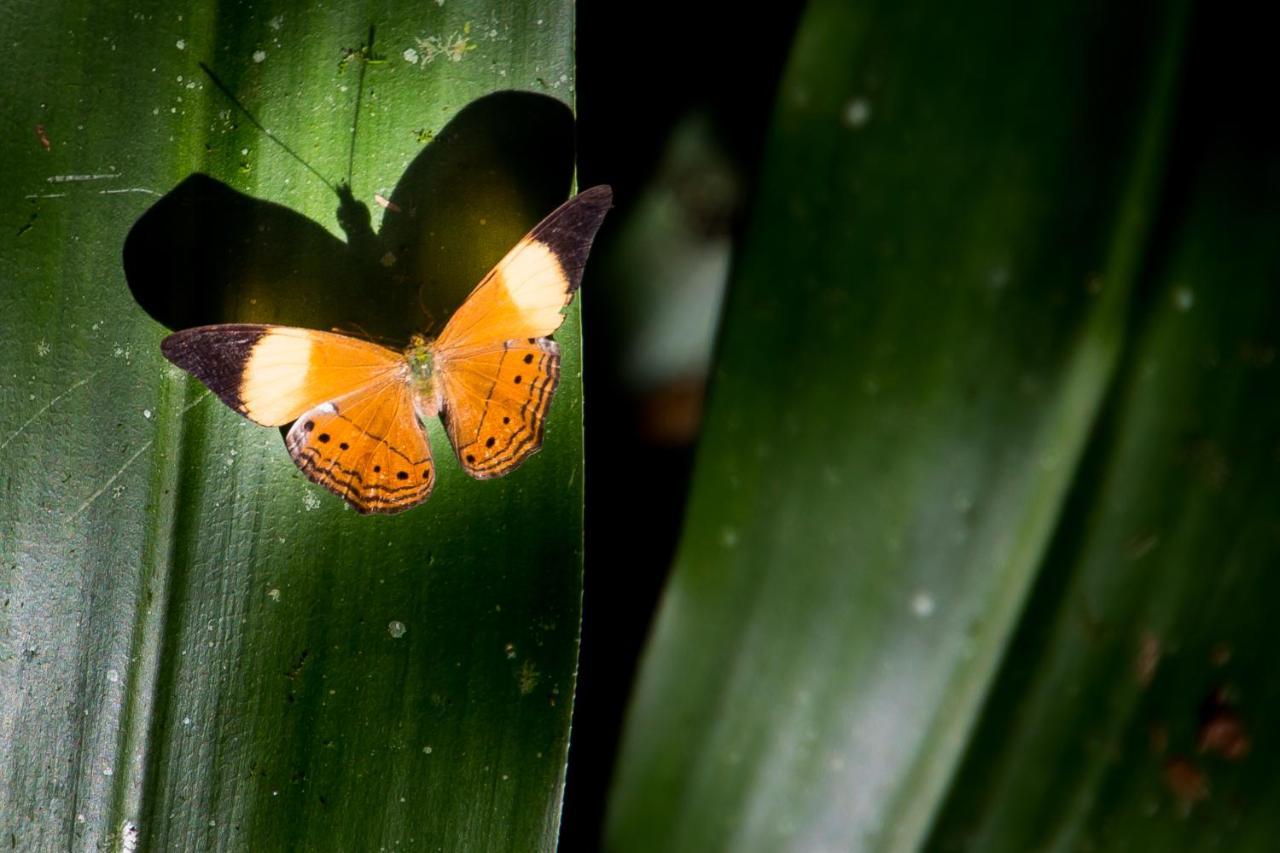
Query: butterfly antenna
x=277, y=140
x=355, y=330
x=426, y=312
x=366, y=57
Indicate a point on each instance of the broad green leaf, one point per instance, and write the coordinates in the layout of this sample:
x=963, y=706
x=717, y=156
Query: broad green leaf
x=1134, y=710
x=199, y=648
x=921, y=328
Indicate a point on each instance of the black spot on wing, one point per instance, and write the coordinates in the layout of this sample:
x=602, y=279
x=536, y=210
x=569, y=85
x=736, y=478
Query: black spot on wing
x=216, y=355
x=527, y=438
x=569, y=229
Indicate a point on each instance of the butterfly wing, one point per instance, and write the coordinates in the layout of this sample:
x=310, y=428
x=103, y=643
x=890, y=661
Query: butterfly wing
x=496, y=403
x=367, y=448
x=497, y=369
x=524, y=295
x=355, y=430
x=272, y=374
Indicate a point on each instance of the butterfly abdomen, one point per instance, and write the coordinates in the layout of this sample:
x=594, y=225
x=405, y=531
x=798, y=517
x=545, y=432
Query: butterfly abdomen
x=422, y=378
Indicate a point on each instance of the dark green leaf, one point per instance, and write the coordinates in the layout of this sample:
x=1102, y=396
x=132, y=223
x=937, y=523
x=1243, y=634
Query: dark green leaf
x=1133, y=712
x=923, y=324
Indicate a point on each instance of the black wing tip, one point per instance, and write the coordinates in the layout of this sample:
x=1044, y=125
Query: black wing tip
x=216, y=355
x=600, y=194
x=570, y=229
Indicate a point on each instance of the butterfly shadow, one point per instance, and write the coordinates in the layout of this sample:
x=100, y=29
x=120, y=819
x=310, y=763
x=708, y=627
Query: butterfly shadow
x=206, y=253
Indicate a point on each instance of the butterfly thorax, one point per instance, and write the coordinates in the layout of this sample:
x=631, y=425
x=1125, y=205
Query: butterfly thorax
x=420, y=356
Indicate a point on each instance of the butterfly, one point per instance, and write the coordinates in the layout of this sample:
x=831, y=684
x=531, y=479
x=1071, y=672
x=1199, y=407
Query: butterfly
x=359, y=409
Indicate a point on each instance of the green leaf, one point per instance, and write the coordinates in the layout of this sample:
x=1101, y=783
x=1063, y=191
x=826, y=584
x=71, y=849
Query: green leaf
x=923, y=324
x=201, y=649
x=1143, y=671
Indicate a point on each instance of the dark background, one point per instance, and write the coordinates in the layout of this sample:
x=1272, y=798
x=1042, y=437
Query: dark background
x=722, y=67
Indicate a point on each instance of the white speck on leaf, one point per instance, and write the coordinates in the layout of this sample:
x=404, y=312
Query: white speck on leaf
x=426, y=750
x=273, y=594
x=310, y=501
x=113, y=676
x=396, y=629
x=259, y=55
x=181, y=44
x=128, y=837
x=43, y=348
x=146, y=413
x=276, y=23
x=922, y=604
x=410, y=56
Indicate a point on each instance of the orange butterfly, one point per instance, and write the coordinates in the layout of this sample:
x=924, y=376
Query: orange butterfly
x=358, y=409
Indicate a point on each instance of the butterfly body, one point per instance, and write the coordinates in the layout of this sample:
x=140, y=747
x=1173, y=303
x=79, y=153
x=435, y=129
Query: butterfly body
x=358, y=409
x=420, y=361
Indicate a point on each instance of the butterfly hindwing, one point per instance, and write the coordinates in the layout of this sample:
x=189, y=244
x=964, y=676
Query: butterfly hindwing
x=525, y=294
x=367, y=448
x=496, y=403
x=272, y=374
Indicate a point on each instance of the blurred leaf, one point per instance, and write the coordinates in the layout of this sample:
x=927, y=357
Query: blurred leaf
x=1142, y=676
x=672, y=259
x=920, y=331
x=201, y=649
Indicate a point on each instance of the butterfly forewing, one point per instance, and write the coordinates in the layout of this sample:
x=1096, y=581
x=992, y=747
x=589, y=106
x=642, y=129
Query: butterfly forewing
x=367, y=448
x=496, y=404
x=272, y=374
x=524, y=296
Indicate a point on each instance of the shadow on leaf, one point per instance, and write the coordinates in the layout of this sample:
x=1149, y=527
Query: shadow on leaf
x=206, y=253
